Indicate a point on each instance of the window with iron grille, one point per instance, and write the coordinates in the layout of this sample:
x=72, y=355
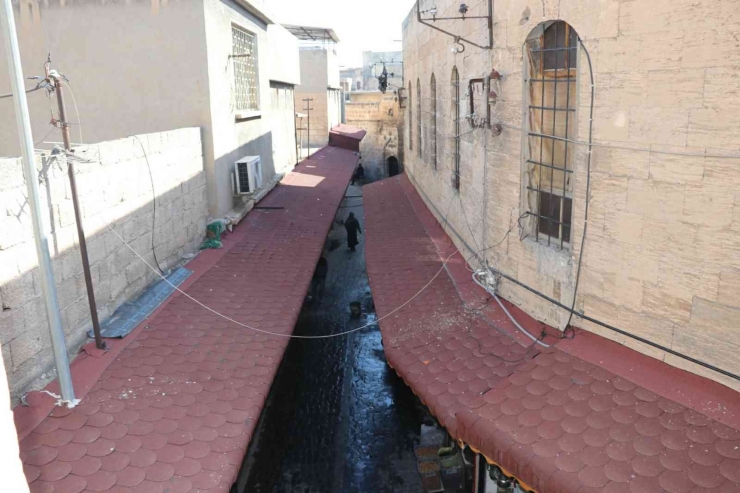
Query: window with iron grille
x=418, y=118
x=433, y=110
x=411, y=120
x=551, y=68
x=455, y=87
x=244, y=60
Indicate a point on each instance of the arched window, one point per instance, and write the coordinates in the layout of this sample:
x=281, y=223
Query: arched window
x=551, y=75
x=456, y=127
x=411, y=119
x=433, y=111
x=418, y=118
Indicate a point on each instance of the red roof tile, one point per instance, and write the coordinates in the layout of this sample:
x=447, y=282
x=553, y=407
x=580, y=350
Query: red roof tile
x=557, y=421
x=176, y=406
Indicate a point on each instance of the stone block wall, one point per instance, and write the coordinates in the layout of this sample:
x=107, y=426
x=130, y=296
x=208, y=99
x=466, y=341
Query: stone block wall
x=379, y=115
x=662, y=252
x=114, y=187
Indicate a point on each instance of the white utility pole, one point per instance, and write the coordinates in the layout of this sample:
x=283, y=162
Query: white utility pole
x=31, y=175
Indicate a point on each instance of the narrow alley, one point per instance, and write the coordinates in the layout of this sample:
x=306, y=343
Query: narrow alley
x=338, y=418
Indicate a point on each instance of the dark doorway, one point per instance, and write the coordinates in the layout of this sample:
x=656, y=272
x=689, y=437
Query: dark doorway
x=392, y=166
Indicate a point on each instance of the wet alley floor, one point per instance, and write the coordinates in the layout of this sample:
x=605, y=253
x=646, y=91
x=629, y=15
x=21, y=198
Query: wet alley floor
x=338, y=418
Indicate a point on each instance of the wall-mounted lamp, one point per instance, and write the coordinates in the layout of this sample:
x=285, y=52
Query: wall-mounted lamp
x=463, y=9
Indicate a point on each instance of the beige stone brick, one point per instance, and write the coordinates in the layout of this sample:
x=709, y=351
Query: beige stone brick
x=711, y=48
x=592, y=18
x=660, y=302
x=653, y=54
x=676, y=88
x=625, y=89
x=610, y=124
x=624, y=227
x=714, y=128
x=708, y=205
x=714, y=348
x=637, y=17
x=24, y=347
x=722, y=88
x=676, y=168
x=641, y=262
x=729, y=286
x=614, y=54
x=12, y=324
x=658, y=126
x=722, y=173
x=621, y=162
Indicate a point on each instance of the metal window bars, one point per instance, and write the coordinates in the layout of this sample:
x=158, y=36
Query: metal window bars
x=244, y=60
x=411, y=119
x=418, y=118
x=456, y=121
x=554, y=64
x=433, y=97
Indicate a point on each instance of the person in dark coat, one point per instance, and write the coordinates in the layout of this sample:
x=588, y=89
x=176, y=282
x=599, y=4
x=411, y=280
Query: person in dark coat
x=352, y=225
x=359, y=174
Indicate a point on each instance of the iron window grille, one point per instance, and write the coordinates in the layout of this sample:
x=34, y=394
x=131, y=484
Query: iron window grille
x=552, y=80
x=456, y=128
x=418, y=118
x=244, y=60
x=411, y=120
x=433, y=100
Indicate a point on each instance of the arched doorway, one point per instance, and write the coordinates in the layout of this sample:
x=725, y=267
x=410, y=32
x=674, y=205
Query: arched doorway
x=393, y=168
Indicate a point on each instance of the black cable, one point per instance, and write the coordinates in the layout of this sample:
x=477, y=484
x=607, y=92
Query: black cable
x=10, y=95
x=154, y=202
x=581, y=315
x=568, y=329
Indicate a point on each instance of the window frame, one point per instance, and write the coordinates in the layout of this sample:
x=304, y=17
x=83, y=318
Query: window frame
x=256, y=109
x=535, y=189
x=411, y=117
x=433, y=111
x=455, y=99
x=418, y=119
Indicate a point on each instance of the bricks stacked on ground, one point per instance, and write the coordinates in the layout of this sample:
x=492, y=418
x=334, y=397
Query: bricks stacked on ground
x=176, y=410
x=558, y=423
x=114, y=187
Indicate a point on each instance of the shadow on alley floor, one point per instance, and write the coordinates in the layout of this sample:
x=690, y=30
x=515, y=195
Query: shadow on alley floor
x=338, y=418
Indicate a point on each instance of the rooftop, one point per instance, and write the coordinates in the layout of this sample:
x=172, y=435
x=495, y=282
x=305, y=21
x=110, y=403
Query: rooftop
x=582, y=415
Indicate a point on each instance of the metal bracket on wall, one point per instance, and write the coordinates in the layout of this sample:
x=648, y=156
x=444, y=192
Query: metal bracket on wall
x=463, y=17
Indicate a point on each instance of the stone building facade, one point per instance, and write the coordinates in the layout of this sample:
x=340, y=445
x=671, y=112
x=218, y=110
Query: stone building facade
x=379, y=115
x=661, y=258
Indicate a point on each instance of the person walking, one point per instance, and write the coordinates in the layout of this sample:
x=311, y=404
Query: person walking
x=359, y=174
x=352, y=225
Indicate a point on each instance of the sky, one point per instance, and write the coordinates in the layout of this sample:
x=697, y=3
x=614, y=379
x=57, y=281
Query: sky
x=361, y=25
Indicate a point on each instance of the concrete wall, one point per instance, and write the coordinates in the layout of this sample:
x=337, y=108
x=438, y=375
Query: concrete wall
x=107, y=52
x=319, y=81
x=662, y=254
x=116, y=189
x=379, y=115
x=370, y=71
x=232, y=135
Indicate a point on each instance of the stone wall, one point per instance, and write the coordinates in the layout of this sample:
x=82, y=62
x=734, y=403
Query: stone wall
x=662, y=253
x=114, y=187
x=378, y=114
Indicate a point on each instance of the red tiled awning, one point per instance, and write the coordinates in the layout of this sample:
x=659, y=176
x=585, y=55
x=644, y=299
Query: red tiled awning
x=175, y=410
x=557, y=422
x=346, y=137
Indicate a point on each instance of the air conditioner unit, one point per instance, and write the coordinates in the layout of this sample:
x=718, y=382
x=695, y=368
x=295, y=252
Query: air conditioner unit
x=248, y=174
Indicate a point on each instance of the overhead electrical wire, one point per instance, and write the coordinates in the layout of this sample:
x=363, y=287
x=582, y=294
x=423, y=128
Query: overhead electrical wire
x=28, y=91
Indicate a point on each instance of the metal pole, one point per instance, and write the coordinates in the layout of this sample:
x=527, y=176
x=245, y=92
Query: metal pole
x=78, y=216
x=23, y=121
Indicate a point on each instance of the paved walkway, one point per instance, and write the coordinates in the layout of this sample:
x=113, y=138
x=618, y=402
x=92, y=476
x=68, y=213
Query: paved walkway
x=338, y=419
x=174, y=412
x=557, y=422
